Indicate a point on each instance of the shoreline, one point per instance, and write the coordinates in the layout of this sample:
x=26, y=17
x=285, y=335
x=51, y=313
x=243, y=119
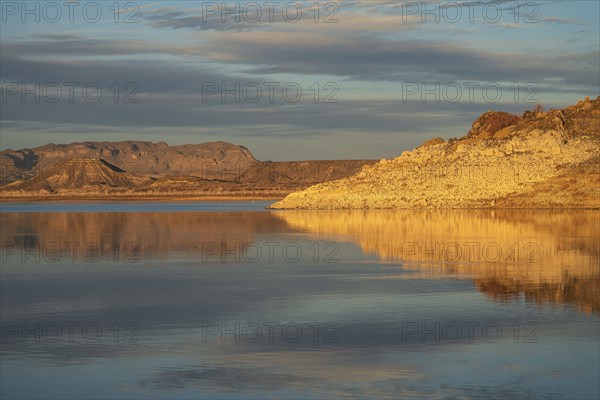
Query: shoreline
x=274, y=198
x=42, y=199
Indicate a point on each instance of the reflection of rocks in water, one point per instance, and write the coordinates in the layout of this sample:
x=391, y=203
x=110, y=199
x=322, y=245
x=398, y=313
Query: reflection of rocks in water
x=155, y=235
x=584, y=292
x=546, y=256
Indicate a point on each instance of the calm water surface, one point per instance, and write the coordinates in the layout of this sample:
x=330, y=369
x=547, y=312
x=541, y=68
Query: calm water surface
x=231, y=301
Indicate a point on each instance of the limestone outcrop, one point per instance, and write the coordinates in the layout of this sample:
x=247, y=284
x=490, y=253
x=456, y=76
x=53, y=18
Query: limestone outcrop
x=538, y=160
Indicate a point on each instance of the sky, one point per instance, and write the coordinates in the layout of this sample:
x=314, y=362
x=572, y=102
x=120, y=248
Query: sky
x=290, y=80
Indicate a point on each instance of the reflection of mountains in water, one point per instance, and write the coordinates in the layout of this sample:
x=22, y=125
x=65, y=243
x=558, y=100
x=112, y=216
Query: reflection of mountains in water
x=545, y=256
x=156, y=235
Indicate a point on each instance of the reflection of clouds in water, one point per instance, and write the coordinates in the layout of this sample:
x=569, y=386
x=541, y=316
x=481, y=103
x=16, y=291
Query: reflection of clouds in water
x=224, y=379
x=312, y=373
x=64, y=354
x=327, y=382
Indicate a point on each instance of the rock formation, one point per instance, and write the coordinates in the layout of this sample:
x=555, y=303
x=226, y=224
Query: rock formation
x=80, y=175
x=539, y=160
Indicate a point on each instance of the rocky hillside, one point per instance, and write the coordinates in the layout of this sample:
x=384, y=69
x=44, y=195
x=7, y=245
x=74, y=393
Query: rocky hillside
x=81, y=175
x=540, y=159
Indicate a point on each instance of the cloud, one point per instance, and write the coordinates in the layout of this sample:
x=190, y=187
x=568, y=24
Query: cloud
x=558, y=20
x=369, y=58
x=81, y=46
x=173, y=53
x=327, y=19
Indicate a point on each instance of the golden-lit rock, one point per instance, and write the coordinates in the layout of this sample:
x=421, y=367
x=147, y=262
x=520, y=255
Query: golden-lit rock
x=504, y=161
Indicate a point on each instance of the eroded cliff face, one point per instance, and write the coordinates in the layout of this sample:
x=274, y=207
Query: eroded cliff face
x=542, y=159
x=82, y=175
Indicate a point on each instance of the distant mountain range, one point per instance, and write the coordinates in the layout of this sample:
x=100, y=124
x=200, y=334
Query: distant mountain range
x=157, y=168
x=142, y=158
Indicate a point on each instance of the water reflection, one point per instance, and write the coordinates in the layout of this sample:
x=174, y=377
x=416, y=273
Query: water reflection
x=155, y=235
x=392, y=267
x=545, y=256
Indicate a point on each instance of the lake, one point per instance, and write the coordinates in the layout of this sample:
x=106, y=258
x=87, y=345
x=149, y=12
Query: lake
x=232, y=301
